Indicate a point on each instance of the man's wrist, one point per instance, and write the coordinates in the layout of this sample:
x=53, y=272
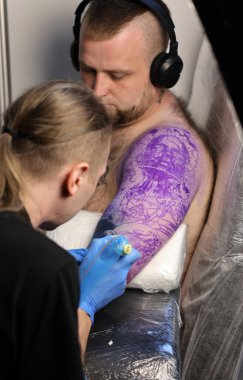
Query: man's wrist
x=88, y=307
x=85, y=311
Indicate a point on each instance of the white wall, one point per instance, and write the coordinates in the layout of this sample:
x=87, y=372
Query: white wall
x=189, y=33
x=40, y=33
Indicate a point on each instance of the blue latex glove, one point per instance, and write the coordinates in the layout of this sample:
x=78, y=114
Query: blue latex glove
x=103, y=272
x=78, y=254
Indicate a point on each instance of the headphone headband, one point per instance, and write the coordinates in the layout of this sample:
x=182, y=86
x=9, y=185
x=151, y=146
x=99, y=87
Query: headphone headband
x=77, y=22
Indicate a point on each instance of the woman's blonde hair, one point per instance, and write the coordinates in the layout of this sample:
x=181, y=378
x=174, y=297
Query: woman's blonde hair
x=49, y=125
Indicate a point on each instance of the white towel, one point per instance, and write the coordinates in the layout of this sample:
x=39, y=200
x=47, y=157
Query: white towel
x=77, y=232
x=162, y=273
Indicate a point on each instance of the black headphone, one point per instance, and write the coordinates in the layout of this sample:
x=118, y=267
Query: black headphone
x=166, y=67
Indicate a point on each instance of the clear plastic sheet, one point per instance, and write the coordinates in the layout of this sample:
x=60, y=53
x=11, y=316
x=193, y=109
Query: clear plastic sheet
x=136, y=337
x=212, y=293
x=215, y=350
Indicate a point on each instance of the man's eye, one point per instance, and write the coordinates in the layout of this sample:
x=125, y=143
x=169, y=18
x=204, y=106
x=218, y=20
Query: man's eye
x=117, y=76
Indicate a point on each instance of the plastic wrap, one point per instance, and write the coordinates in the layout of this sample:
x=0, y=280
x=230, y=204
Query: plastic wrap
x=136, y=337
x=212, y=293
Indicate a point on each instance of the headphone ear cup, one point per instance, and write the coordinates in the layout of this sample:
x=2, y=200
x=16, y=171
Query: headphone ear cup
x=74, y=51
x=165, y=70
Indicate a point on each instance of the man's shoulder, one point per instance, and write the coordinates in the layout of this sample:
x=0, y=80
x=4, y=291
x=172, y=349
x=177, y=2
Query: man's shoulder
x=168, y=135
x=169, y=129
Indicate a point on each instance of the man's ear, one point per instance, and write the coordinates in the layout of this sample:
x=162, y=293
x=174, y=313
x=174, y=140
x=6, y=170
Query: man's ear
x=76, y=176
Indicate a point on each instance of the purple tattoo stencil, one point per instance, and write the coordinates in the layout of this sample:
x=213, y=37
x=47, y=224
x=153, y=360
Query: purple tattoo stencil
x=156, y=188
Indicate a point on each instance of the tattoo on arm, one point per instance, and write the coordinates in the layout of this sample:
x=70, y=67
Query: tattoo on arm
x=156, y=189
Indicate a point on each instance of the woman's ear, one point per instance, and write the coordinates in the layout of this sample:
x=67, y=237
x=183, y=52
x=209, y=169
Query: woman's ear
x=76, y=177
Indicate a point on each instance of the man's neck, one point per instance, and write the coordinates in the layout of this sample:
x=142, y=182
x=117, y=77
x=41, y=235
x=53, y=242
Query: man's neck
x=156, y=114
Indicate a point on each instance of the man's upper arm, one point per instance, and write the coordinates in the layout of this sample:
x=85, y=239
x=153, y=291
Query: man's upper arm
x=158, y=183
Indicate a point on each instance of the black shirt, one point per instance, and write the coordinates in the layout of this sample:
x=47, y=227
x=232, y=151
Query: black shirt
x=39, y=293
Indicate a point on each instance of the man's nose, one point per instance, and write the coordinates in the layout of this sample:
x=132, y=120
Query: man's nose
x=101, y=85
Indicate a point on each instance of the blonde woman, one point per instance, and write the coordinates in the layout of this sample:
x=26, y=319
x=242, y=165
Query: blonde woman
x=54, y=147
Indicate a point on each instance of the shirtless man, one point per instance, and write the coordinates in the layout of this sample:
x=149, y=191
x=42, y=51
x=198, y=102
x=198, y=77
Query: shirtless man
x=160, y=169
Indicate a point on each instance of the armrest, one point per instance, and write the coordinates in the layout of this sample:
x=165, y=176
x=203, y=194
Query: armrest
x=136, y=337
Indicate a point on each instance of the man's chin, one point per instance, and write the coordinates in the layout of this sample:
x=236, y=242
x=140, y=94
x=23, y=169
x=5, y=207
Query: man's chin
x=111, y=109
x=125, y=118
x=121, y=118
